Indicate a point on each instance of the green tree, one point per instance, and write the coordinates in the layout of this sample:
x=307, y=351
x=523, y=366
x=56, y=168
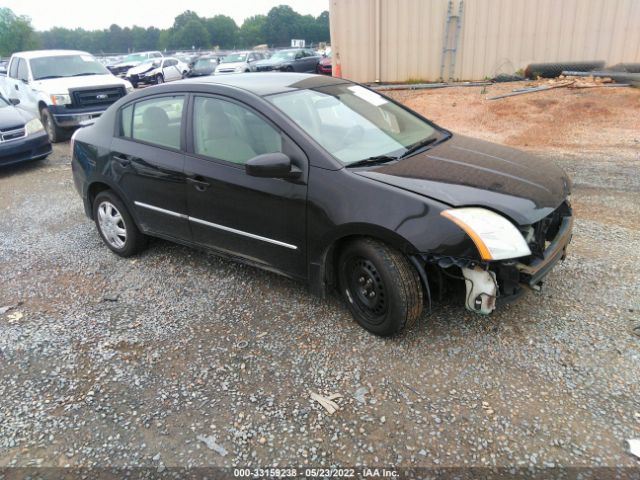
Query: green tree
x=223, y=31
x=192, y=34
x=252, y=31
x=283, y=24
x=16, y=33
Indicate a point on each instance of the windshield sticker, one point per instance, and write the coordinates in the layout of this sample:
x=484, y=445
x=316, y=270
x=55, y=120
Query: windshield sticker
x=86, y=58
x=368, y=96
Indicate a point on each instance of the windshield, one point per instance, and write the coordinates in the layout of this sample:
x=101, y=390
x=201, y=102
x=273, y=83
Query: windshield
x=66, y=66
x=284, y=55
x=235, y=57
x=134, y=57
x=353, y=123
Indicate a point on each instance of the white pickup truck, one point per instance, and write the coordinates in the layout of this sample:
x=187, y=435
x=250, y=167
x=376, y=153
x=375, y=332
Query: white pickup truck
x=62, y=87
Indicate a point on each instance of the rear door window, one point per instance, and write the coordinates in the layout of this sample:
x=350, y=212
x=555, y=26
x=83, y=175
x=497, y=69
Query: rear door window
x=13, y=69
x=157, y=121
x=23, y=70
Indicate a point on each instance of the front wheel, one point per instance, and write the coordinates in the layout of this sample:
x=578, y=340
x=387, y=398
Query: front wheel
x=55, y=133
x=381, y=287
x=159, y=79
x=116, y=226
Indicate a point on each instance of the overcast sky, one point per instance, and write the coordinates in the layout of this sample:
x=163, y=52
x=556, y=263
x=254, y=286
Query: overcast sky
x=92, y=14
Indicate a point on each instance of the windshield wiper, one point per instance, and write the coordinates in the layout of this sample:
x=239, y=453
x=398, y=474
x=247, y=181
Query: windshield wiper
x=47, y=77
x=373, y=161
x=82, y=74
x=414, y=147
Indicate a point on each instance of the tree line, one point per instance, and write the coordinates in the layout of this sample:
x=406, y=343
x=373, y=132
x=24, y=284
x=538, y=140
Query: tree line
x=189, y=30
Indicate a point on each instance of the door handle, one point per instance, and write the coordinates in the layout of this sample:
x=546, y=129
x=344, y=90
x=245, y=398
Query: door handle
x=198, y=183
x=15, y=85
x=125, y=162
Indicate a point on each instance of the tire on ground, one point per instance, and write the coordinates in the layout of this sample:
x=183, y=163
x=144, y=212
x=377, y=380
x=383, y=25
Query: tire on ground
x=135, y=240
x=401, y=284
x=56, y=133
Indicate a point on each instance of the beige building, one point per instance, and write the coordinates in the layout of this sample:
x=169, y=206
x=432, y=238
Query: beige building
x=400, y=40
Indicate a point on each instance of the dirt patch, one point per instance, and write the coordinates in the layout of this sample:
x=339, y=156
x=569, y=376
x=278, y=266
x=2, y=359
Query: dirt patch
x=590, y=119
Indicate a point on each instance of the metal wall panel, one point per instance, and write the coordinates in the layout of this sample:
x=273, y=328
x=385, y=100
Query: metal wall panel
x=400, y=40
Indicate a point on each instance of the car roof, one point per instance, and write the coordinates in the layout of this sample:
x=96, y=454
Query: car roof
x=50, y=53
x=268, y=83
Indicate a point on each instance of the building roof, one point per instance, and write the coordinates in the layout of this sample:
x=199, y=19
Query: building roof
x=268, y=83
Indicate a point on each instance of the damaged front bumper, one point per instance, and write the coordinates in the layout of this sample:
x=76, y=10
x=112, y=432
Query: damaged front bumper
x=491, y=283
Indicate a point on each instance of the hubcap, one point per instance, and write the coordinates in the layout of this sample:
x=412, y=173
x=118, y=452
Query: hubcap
x=112, y=225
x=367, y=288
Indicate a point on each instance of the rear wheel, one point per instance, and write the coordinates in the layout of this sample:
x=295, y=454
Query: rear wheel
x=381, y=287
x=116, y=226
x=56, y=134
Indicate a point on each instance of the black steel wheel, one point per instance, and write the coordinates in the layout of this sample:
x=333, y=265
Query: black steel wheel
x=380, y=286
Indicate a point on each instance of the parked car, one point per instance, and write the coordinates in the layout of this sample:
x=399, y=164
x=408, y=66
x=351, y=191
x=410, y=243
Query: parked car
x=204, y=66
x=328, y=182
x=156, y=71
x=290, y=60
x=22, y=136
x=61, y=87
x=324, y=66
x=239, y=62
x=121, y=68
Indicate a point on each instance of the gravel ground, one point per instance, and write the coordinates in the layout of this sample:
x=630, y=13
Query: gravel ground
x=107, y=361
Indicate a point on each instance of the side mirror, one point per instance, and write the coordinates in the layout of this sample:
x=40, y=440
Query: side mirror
x=14, y=101
x=272, y=165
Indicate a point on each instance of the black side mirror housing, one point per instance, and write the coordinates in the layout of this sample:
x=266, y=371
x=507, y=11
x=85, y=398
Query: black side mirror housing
x=272, y=165
x=14, y=101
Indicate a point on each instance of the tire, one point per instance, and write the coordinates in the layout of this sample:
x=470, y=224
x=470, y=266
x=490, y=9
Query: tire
x=289, y=69
x=367, y=266
x=56, y=134
x=159, y=79
x=134, y=84
x=116, y=226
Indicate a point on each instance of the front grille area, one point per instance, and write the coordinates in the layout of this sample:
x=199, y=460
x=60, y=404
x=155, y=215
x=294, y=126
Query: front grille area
x=545, y=230
x=264, y=68
x=12, y=134
x=98, y=97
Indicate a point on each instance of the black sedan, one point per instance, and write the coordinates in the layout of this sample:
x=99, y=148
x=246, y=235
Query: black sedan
x=290, y=60
x=22, y=136
x=327, y=182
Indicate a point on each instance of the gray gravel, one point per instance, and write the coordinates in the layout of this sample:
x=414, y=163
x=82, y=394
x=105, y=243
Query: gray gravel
x=178, y=358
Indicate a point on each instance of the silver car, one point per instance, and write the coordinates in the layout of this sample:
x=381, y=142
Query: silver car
x=239, y=62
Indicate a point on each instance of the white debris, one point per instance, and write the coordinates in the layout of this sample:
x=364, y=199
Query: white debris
x=327, y=402
x=634, y=447
x=211, y=444
x=14, y=317
x=360, y=393
x=5, y=309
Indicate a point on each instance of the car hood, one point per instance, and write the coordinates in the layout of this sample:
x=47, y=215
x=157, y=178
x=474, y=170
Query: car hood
x=62, y=85
x=11, y=117
x=231, y=65
x=145, y=67
x=125, y=65
x=272, y=61
x=463, y=171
